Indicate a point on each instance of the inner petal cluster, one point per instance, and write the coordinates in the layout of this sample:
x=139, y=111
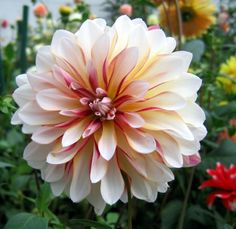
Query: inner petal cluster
x=100, y=105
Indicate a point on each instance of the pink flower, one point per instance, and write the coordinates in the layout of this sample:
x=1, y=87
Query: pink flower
x=224, y=182
x=106, y=101
x=40, y=10
x=126, y=9
x=4, y=23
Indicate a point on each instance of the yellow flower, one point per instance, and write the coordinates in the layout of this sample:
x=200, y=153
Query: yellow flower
x=65, y=10
x=197, y=16
x=228, y=78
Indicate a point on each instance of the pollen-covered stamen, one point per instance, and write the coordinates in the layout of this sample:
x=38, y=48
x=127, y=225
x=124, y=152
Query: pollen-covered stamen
x=101, y=105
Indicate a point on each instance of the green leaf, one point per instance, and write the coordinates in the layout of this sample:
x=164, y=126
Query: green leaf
x=198, y=214
x=112, y=218
x=44, y=197
x=14, y=137
x=74, y=223
x=170, y=214
x=219, y=220
x=9, y=51
x=26, y=221
x=4, y=164
x=227, y=226
x=196, y=47
x=225, y=153
x=226, y=110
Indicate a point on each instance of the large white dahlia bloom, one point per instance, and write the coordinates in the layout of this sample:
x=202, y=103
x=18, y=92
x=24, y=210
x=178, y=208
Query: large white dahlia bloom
x=108, y=101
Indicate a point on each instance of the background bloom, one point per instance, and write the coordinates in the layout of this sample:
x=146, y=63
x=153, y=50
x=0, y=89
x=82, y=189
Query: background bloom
x=126, y=9
x=108, y=101
x=65, y=10
x=4, y=23
x=40, y=10
x=197, y=16
x=228, y=71
x=224, y=183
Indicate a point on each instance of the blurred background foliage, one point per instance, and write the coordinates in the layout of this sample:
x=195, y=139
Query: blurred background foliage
x=27, y=202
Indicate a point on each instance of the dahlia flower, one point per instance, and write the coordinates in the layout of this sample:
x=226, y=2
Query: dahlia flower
x=108, y=101
x=197, y=16
x=224, y=182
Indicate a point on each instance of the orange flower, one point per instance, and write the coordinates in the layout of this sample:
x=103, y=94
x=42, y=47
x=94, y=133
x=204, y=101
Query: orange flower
x=126, y=9
x=197, y=16
x=40, y=10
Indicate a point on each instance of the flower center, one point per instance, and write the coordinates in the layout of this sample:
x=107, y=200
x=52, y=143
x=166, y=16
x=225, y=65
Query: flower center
x=187, y=14
x=101, y=105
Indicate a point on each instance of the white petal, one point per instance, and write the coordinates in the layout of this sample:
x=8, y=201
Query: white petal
x=192, y=114
x=15, y=119
x=98, y=166
x=157, y=40
x=165, y=100
x=89, y=32
x=123, y=65
x=21, y=80
x=44, y=59
x=186, y=57
x=36, y=154
x=28, y=129
x=53, y=100
x=170, y=149
x=52, y=173
x=80, y=184
x=32, y=114
x=186, y=86
x=99, y=56
x=134, y=120
x=65, y=154
x=164, y=69
x=107, y=142
x=74, y=133
x=23, y=94
x=112, y=184
x=136, y=89
x=96, y=200
x=46, y=135
x=140, y=141
x=165, y=120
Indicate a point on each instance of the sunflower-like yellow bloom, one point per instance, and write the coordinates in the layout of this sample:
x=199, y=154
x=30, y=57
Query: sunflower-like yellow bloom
x=197, y=16
x=228, y=78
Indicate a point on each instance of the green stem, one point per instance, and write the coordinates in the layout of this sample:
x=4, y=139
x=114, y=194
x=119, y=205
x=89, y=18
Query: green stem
x=37, y=181
x=129, y=207
x=166, y=10
x=180, y=23
x=127, y=184
x=185, y=204
x=2, y=81
x=24, y=30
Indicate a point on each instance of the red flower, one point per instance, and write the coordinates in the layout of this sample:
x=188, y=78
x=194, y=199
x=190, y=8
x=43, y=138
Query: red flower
x=224, y=182
x=4, y=23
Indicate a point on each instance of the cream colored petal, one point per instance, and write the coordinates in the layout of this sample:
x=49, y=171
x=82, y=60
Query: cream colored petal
x=44, y=59
x=80, y=184
x=74, y=133
x=166, y=120
x=32, y=114
x=107, y=142
x=98, y=166
x=46, y=135
x=55, y=100
x=112, y=184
